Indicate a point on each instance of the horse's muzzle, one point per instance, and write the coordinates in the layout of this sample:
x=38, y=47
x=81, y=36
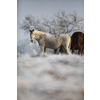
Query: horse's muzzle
x=32, y=41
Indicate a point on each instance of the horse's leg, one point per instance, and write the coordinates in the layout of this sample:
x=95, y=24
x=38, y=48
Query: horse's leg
x=42, y=50
x=66, y=46
x=73, y=48
x=60, y=49
x=63, y=50
x=80, y=50
x=67, y=49
x=69, y=44
x=55, y=51
x=83, y=51
x=45, y=50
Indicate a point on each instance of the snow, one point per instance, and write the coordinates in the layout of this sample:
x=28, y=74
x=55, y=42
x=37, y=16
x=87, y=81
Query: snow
x=50, y=77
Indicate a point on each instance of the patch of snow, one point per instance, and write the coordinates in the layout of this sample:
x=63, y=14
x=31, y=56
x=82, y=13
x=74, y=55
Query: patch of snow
x=50, y=77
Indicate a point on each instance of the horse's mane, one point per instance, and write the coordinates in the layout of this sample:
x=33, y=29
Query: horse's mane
x=40, y=32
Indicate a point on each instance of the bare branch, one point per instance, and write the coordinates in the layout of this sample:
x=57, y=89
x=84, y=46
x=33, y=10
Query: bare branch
x=61, y=23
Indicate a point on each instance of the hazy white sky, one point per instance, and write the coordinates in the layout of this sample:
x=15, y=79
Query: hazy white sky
x=40, y=8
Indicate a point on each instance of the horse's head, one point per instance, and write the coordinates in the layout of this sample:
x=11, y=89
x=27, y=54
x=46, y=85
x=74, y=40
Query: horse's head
x=32, y=35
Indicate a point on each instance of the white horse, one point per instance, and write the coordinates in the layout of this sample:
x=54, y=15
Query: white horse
x=48, y=41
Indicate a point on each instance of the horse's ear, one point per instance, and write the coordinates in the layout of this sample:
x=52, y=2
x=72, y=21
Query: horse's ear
x=30, y=30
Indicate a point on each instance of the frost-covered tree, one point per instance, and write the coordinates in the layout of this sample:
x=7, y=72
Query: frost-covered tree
x=60, y=23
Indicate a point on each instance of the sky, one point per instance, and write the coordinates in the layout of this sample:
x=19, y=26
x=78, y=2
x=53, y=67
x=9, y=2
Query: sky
x=39, y=8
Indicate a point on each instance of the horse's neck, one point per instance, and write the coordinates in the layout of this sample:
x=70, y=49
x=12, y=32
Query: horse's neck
x=38, y=35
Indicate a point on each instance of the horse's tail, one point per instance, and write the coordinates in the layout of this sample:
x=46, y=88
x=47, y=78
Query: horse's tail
x=70, y=44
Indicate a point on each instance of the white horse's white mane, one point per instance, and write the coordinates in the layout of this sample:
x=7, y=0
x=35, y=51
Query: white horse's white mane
x=36, y=31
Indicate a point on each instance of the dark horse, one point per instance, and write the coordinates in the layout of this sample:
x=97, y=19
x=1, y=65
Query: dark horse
x=77, y=43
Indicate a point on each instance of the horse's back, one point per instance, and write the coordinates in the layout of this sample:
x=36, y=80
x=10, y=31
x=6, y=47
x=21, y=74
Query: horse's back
x=64, y=35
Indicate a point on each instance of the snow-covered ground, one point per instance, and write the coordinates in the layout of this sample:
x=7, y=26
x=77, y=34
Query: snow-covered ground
x=50, y=77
